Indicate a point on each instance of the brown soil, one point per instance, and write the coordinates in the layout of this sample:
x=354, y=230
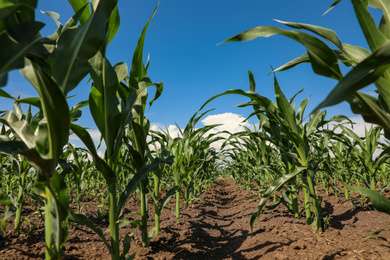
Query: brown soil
x=219, y=229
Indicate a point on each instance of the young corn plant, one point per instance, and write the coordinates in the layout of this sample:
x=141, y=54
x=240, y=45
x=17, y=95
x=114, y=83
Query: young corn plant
x=338, y=167
x=54, y=66
x=188, y=157
x=365, y=149
x=252, y=156
x=162, y=143
x=117, y=103
x=288, y=132
x=368, y=66
x=21, y=167
x=80, y=167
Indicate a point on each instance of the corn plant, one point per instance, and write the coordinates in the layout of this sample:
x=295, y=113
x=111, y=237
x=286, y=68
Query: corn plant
x=79, y=172
x=338, y=167
x=162, y=143
x=368, y=66
x=252, y=157
x=117, y=103
x=293, y=138
x=20, y=166
x=54, y=66
x=189, y=152
x=365, y=149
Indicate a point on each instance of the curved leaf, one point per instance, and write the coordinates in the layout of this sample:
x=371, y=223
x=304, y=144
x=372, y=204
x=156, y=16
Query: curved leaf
x=141, y=175
x=322, y=58
x=54, y=106
x=276, y=185
x=373, y=35
x=20, y=128
x=380, y=202
x=137, y=69
x=85, y=137
x=77, y=44
x=365, y=73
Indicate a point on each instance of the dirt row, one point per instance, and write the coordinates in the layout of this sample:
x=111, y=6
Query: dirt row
x=219, y=229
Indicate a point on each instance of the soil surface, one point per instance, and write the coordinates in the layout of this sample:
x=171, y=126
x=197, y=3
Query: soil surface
x=219, y=229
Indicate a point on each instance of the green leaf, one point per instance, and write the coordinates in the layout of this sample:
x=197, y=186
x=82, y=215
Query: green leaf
x=383, y=86
x=60, y=211
x=104, y=103
x=373, y=35
x=287, y=111
x=85, y=137
x=126, y=246
x=316, y=120
x=16, y=43
x=169, y=194
x=83, y=220
x=371, y=110
x=77, y=44
x=291, y=64
x=20, y=128
x=322, y=58
x=252, y=87
x=141, y=175
x=55, y=109
x=332, y=6
x=350, y=54
x=380, y=202
x=384, y=25
x=80, y=4
x=159, y=89
x=113, y=25
x=327, y=34
x=276, y=185
x=137, y=69
x=12, y=147
x=375, y=234
x=365, y=73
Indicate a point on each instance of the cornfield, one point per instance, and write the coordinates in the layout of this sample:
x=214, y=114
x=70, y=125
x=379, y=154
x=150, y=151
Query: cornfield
x=287, y=160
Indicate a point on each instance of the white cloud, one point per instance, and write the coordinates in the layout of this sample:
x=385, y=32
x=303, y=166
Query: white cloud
x=101, y=154
x=231, y=122
x=360, y=125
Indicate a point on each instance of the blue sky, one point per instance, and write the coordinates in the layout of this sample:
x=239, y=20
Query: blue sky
x=182, y=42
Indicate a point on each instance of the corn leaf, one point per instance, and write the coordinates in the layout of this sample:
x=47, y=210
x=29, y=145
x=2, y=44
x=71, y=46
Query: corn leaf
x=141, y=175
x=77, y=44
x=332, y=6
x=380, y=202
x=373, y=35
x=85, y=221
x=80, y=4
x=21, y=128
x=365, y=73
x=291, y=64
x=371, y=110
x=276, y=185
x=19, y=35
x=376, y=233
x=55, y=109
x=104, y=103
x=322, y=58
x=86, y=138
x=137, y=69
